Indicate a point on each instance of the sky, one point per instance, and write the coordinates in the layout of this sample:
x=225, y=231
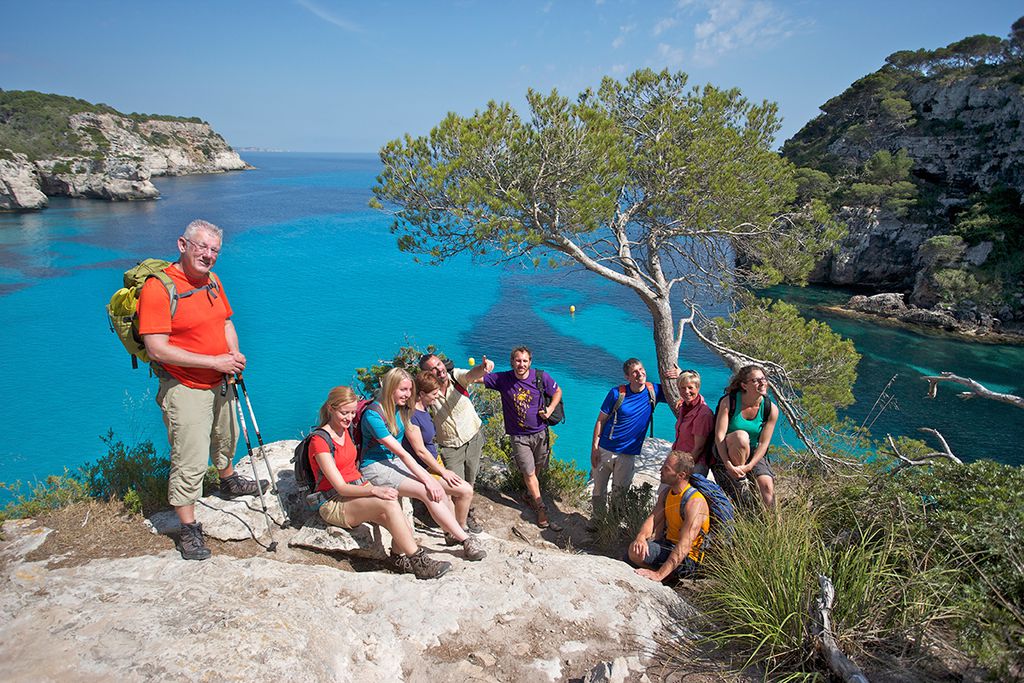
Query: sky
x=347, y=76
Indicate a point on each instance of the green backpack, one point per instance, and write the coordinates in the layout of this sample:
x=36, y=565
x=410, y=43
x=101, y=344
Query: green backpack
x=122, y=311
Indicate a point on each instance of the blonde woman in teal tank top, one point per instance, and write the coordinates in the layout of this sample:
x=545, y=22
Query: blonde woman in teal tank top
x=742, y=437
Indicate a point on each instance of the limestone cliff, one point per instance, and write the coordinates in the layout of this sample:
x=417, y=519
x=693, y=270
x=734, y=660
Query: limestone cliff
x=60, y=146
x=924, y=161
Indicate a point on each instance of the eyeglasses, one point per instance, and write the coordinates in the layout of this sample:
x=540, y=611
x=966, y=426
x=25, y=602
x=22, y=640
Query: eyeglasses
x=759, y=380
x=202, y=248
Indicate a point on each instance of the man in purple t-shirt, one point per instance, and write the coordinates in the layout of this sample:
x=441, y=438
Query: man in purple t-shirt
x=521, y=406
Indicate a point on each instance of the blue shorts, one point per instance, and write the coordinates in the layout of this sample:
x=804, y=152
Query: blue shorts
x=658, y=553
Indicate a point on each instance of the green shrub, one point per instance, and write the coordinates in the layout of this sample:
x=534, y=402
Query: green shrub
x=132, y=502
x=764, y=584
x=56, y=491
x=960, y=528
x=136, y=469
x=617, y=525
x=133, y=475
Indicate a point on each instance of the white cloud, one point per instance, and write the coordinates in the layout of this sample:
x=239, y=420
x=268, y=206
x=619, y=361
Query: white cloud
x=732, y=24
x=664, y=25
x=670, y=56
x=618, y=69
x=620, y=39
x=321, y=13
x=547, y=8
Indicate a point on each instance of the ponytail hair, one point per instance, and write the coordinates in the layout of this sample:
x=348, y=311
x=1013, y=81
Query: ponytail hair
x=741, y=376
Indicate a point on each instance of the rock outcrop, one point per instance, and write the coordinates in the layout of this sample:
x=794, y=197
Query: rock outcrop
x=879, y=250
x=107, y=155
x=19, y=183
x=525, y=612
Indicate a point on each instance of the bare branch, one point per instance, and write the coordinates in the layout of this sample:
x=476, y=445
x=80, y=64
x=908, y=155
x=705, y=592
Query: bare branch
x=976, y=389
x=825, y=641
x=924, y=459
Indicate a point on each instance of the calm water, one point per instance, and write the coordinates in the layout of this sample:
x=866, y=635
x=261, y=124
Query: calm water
x=319, y=289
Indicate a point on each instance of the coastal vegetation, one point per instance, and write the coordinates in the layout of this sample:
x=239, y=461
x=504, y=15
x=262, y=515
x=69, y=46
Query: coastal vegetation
x=37, y=124
x=133, y=474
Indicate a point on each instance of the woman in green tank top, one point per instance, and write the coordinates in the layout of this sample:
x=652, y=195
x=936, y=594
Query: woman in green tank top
x=742, y=435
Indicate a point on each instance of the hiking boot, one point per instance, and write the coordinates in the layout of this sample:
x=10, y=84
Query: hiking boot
x=473, y=549
x=191, y=543
x=542, y=513
x=419, y=564
x=472, y=524
x=542, y=516
x=237, y=485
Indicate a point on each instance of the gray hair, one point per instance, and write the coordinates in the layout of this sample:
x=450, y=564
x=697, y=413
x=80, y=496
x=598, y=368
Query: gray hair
x=205, y=226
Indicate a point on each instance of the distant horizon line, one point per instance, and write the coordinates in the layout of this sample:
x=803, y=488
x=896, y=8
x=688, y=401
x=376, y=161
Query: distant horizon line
x=270, y=150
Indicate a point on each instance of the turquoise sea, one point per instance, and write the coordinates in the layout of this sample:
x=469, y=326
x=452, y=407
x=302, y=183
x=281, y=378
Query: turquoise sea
x=319, y=289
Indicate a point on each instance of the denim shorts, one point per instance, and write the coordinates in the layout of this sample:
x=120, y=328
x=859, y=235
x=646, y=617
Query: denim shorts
x=389, y=473
x=658, y=553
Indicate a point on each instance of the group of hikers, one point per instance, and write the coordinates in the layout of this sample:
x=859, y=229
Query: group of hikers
x=421, y=438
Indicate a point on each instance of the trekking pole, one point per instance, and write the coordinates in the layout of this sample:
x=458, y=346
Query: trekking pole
x=259, y=439
x=259, y=487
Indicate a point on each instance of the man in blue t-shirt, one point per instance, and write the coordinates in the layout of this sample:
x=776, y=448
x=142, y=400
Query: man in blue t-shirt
x=620, y=428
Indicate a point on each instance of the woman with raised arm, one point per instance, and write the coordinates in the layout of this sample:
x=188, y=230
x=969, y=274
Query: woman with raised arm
x=695, y=423
x=386, y=463
x=419, y=440
x=350, y=499
x=744, y=424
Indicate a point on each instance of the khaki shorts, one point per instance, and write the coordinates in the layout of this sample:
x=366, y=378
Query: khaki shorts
x=531, y=451
x=200, y=426
x=333, y=512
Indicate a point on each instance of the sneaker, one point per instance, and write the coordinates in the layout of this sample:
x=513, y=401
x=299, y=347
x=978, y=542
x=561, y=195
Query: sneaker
x=450, y=540
x=472, y=524
x=191, y=543
x=237, y=485
x=473, y=549
x=419, y=564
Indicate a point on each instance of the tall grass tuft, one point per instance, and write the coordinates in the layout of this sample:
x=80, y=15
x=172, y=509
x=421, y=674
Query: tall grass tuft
x=760, y=586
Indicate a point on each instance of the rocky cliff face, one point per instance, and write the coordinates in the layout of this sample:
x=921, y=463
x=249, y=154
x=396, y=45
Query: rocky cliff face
x=957, y=121
x=119, y=157
x=19, y=183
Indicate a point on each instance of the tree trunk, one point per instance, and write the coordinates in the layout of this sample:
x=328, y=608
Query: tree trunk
x=666, y=346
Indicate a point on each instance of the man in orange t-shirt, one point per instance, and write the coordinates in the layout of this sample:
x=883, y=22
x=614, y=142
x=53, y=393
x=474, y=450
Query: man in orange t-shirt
x=193, y=353
x=668, y=545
